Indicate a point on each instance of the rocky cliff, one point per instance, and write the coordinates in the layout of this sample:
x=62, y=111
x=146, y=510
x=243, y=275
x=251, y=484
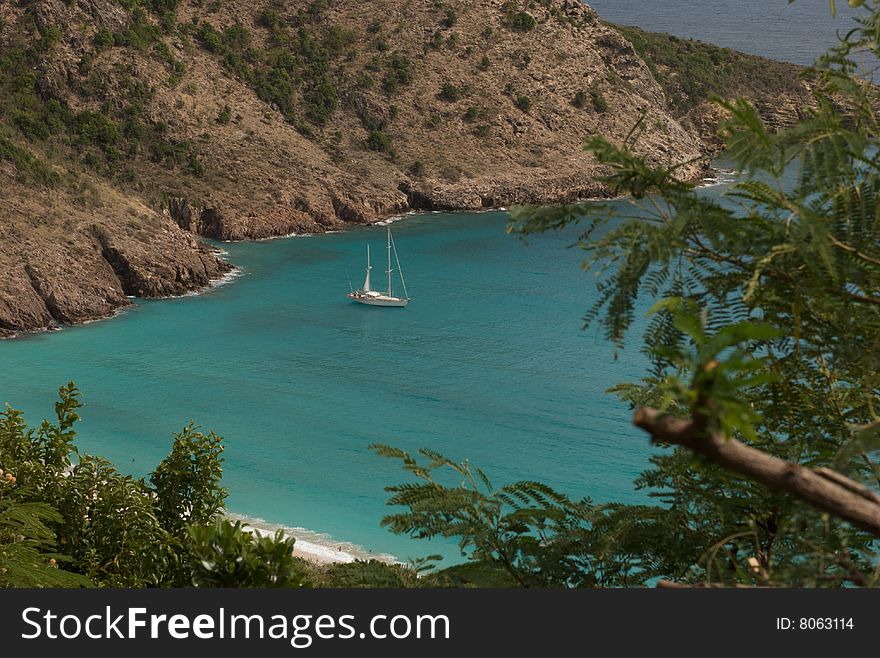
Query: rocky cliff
x=129, y=128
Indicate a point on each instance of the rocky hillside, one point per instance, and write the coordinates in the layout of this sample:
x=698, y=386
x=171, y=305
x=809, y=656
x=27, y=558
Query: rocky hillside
x=129, y=127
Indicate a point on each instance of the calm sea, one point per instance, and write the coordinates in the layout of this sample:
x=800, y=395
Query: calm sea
x=797, y=32
x=488, y=363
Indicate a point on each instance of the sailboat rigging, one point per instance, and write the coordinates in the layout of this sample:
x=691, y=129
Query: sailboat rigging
x=375, y=298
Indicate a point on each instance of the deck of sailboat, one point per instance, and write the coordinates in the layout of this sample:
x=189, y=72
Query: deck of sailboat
x=379, y=300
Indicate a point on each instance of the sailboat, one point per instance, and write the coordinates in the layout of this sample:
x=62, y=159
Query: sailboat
x=375, y=298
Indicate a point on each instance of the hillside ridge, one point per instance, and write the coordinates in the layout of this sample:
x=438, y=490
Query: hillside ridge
x=131, y=128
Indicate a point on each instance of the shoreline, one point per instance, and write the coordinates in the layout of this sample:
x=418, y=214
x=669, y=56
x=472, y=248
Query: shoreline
x=228, y=277
x=712, y=178
x=315, y=547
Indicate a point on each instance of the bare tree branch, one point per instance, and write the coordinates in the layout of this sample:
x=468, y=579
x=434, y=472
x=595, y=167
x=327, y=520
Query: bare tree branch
x=822, y=488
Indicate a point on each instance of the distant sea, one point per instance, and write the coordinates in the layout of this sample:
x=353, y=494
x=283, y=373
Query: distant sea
x=797, y=32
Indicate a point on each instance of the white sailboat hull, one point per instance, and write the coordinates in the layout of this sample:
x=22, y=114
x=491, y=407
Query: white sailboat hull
x=379, y=300
x=370, y=297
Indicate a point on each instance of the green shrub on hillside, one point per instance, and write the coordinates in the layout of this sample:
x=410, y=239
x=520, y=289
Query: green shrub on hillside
x=600, y=104
x=450, y=18
x=378, y=140
x=690, y=72
x=523, y=103
x=28, y=167
x=520, y=21
x=103, y=39
x=400, y=72
x=450, y=93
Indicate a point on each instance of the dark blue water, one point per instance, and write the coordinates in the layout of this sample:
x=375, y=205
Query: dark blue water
x=797, y=32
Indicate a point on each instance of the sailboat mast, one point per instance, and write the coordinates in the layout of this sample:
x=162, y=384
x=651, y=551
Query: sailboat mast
x=399, y=269
x=389, y=262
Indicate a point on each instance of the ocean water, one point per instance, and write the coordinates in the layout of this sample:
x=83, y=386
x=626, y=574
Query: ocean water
x=488, y=363
x=793, y=32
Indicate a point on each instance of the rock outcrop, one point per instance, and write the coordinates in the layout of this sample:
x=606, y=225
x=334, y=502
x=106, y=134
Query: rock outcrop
x=239, y=121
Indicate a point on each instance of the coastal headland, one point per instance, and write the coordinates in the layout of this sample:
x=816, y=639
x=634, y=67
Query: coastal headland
x=130, y=130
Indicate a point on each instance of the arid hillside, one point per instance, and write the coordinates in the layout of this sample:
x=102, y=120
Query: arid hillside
x=129, y=127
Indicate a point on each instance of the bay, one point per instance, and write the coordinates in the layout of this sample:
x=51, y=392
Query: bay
x=488, y=363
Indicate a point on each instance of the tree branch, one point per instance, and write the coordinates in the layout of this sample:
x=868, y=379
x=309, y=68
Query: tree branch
x=822, y=488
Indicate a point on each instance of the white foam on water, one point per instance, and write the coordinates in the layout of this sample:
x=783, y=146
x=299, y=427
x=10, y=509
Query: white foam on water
x=391, y=220
x=720, y=177
x=286, y=236
x=229, y=277
x=311, y=545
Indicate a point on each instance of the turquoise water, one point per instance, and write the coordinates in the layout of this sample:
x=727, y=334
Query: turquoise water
x=489, y=362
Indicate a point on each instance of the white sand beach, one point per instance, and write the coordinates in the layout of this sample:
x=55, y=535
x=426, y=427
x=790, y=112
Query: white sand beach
x=314, y=546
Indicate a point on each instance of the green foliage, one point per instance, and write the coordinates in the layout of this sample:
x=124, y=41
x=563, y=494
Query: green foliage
x=210, y=38
x=523, y=103
x=28, y=556
x=339, y=38
x=450, y=19
x=223, y=554
x=473, y=574
x=112, y=529
x=187, y=482
x=691, y=72
x=526, y=529
x=321, y=100
x=297, y=59
x=94, y=128
x=225, y=115
x=597, y=98
x=450, y=93
x=97, y=137
x=30, y=464
x=141, y=33
x=269, y=18
x=436, y=41
x=103, y=39
x=378, y=140
x=518, y=20
x=28, y=167
x=400, y=72
x=370, y=573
